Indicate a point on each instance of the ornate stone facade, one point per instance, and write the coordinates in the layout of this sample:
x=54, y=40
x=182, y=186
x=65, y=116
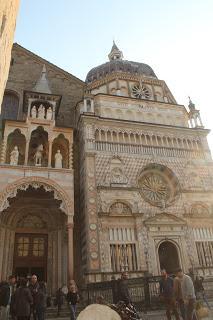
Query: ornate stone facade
x=152, y=175
x=143, y=180
x=36, y=172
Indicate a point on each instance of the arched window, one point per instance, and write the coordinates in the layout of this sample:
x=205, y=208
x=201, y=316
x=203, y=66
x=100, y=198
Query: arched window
x=10, y=106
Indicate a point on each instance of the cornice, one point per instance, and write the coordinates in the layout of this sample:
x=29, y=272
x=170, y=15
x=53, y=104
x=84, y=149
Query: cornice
x=123, y=76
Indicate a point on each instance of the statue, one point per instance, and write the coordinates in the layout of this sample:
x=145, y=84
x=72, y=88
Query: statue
x=33, y=112
x=38, y=155
x=41, y=112
x=14, y=156
x=191, y=105
x=49, y=113
x=58, y=159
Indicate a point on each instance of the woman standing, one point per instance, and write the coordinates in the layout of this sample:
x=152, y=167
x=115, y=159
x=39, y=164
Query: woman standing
x=22, y=301
x=73, y=299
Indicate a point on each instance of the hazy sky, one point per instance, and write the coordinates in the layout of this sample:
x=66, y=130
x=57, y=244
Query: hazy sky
x=175, y=37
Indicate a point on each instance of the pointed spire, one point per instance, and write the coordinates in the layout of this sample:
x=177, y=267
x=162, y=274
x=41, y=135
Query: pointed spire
x=115, y=53
x=42, y=84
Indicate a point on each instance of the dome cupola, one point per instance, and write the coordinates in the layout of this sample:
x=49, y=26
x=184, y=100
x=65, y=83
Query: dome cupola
x=117, y=64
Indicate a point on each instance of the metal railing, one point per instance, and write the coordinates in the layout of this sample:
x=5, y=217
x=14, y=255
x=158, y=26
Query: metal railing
x=144, y=292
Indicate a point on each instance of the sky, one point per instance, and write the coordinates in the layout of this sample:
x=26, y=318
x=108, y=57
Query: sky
x=175, y=37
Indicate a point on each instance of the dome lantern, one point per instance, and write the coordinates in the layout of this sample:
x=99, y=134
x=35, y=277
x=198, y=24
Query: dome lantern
x=115, y=53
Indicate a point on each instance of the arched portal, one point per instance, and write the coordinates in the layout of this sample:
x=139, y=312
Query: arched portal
x=168, y=256
x=34, y=231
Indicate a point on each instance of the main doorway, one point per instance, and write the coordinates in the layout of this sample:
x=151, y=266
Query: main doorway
x=35, y=239
x=168, y=257
x=30, y=255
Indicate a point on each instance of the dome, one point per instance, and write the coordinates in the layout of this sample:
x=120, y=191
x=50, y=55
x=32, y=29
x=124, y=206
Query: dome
x=117, y=64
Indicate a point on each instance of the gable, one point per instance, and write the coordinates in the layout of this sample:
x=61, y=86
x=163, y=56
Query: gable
x=164, y=219
x=26, y=69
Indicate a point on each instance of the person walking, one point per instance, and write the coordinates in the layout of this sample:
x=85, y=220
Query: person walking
x=59, y=300
x=22, y=301
x=199, y=290
x=72, y=299
x=179, y=296
x=6, y=294
x=188, y=294
x=34, y=287
x=40, y=302
x=168, y=295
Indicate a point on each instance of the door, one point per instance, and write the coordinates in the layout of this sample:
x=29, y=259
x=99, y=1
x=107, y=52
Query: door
x=168, y=256
x=30, y=255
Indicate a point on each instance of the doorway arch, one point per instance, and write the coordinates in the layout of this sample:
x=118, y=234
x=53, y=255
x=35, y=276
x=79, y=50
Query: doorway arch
x=168, y=256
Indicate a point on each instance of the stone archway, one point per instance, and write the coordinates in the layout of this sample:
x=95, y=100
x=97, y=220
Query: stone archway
x=168, y=256
x=36, y=209
x=48, y=184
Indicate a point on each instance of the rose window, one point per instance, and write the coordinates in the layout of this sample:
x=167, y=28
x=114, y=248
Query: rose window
x=158, y=187
x=140, y=92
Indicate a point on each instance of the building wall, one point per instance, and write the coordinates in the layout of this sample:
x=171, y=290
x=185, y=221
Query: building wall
x=26, y=70
x=8, y=14
x=113, y=152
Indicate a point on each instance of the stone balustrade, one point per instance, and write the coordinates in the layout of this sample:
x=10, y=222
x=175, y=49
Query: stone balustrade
x=148, y=150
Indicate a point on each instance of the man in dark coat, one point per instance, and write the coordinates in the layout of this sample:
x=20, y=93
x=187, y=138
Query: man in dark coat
x=34, y=289
x=122, y=289
x=6, y=292
x=23, y=301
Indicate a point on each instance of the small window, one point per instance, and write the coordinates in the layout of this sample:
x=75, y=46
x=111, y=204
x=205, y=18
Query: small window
x=38, y=247
x=10, y=106
x=23, y=247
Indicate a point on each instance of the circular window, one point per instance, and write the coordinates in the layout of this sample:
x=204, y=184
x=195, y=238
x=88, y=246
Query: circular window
x=158, y=185
x=140, y=92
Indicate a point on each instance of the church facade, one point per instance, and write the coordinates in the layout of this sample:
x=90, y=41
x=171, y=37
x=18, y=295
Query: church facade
x=101, y=176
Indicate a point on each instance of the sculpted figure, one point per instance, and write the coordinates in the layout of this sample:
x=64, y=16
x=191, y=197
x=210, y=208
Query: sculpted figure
x=58, y=159
x=38, y=155
x=33, y=112
x=41, y=112
x=49, y=113
x=14, y=156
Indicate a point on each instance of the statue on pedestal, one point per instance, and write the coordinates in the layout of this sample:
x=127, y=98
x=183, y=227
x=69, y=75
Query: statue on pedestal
x=38, y=155
x=58, y=159
x=33, y=112
x=14, y=156
x=49, y=113
x=41, y=112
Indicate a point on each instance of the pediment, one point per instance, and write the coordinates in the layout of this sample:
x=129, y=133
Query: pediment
x=164, y=219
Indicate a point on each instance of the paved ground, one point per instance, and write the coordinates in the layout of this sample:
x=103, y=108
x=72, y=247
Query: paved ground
x=161, y=316
x=157, y=315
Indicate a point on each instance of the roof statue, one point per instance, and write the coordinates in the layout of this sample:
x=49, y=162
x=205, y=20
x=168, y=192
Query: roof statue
x=42, y=84
x=191, y=105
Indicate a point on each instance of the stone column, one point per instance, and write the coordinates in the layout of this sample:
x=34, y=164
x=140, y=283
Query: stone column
x=3, y=150
x=26, y=151
x=199, y=117
x=70, y=261
x=70, y=156
x=50, y=153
